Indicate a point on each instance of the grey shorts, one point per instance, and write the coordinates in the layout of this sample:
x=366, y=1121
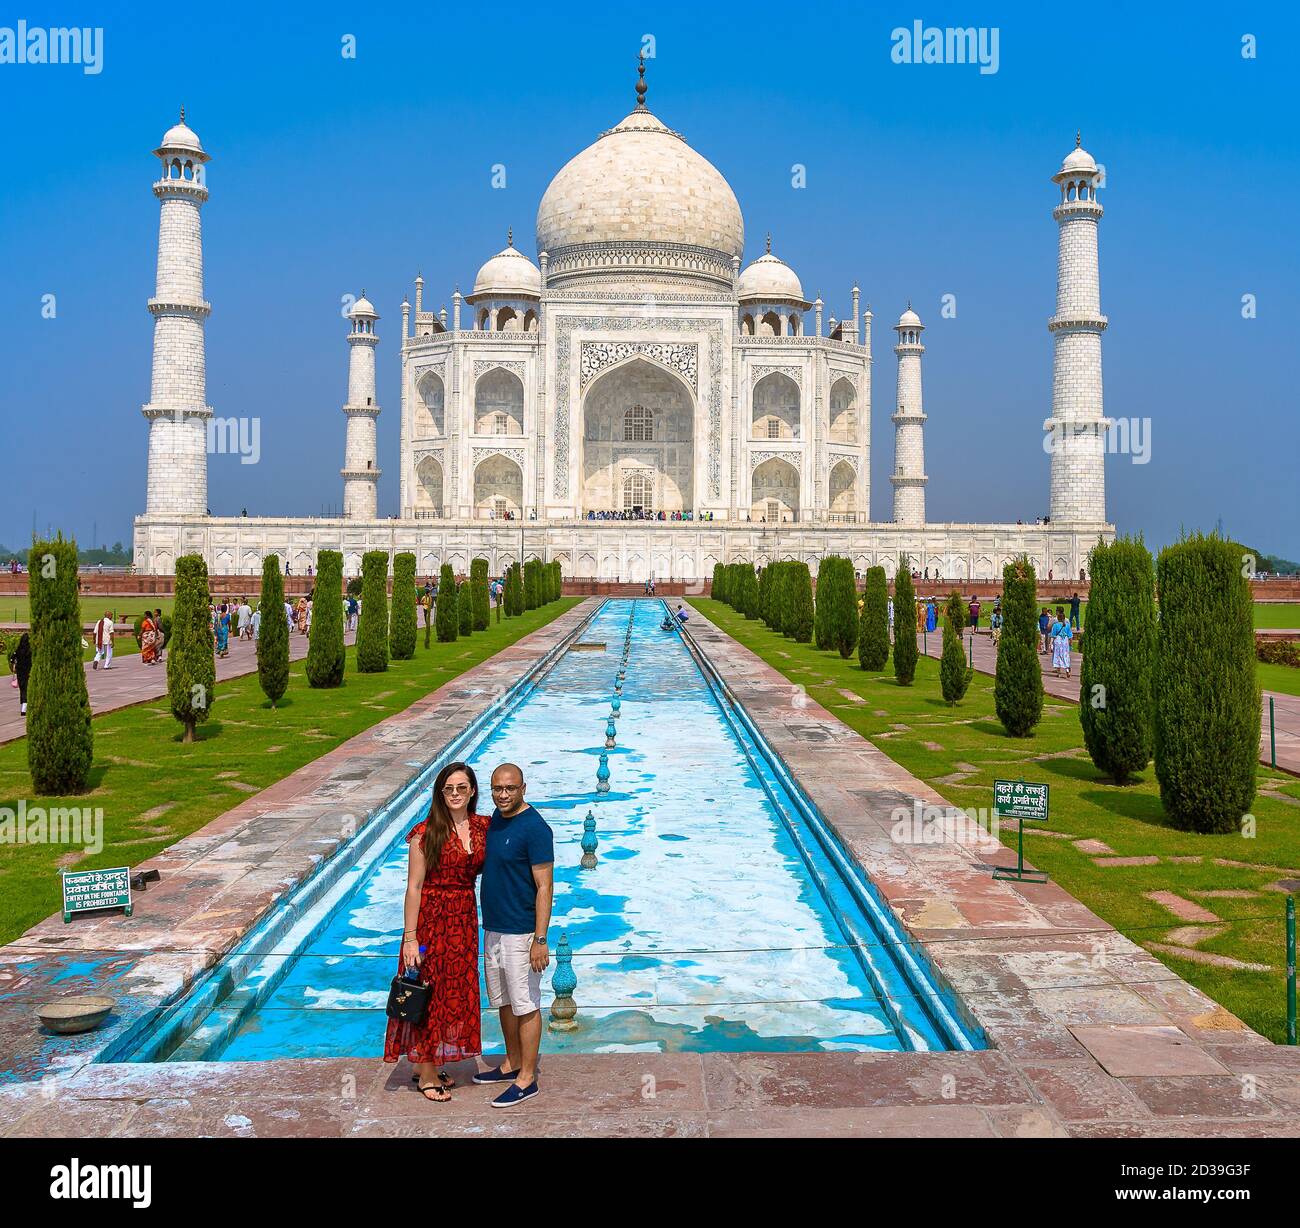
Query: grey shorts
x=509, y=974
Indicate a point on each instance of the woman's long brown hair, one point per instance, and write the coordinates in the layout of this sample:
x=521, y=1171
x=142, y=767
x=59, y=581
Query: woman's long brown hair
x=437, y=827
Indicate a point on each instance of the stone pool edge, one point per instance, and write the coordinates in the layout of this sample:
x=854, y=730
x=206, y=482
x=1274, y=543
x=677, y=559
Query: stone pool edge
x=219, y=882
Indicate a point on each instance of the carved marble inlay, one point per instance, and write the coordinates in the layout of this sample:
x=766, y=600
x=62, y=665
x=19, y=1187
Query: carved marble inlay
x=514, y=454
x=595, y=356
x=791, y=458
x=515, y=367
x=849, y=458
x=795, y=373
x=564, y=329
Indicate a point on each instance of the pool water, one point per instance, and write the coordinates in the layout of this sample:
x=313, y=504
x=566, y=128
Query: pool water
x=713, y=920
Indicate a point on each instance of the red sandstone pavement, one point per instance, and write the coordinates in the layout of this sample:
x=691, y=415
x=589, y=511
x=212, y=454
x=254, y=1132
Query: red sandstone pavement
x=1089, y=1034
x=1286, y=713
x=130, y=681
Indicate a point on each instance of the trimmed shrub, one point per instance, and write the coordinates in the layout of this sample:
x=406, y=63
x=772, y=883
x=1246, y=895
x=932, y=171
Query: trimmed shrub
x=873, y=628
x=746, y=590
x=532, y=593
x=1270, y=652
x=517, y=588
x=777, y=602
x=478, y=578
x=954, y=674
x=1018, y=682
x=273, y=633
x=765, y=580
x=800, y=607
x=60, y=742
x=447, y=616
x=325, y=652
x=1207, y=713
x=402, y=620
x=1115, y=696
x=905, y=650
x=464, y=609
x=191, y=666
x=841, y=600
x=372, y=626
x=719, y=585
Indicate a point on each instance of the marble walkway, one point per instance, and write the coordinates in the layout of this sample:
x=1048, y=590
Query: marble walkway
x=1089, y=1035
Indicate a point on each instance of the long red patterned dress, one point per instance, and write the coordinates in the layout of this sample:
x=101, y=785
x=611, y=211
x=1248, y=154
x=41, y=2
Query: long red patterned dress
x=447, y=929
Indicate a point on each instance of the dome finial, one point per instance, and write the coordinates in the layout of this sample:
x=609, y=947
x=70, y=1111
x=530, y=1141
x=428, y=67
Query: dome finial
x=182, y=112
x=510, y=236
x=641, y=86
x=909, y=304
x=769, y=242
x=1078, y=137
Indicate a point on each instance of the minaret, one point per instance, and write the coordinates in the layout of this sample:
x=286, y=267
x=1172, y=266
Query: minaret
x=1076, y=430
x=361, y=459
x=177, y=411
x=909, y=424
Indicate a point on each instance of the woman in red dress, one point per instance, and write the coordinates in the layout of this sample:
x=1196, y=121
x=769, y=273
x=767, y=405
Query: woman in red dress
x=440, y=932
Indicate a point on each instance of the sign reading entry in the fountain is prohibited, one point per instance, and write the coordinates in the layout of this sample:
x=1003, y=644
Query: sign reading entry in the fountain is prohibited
x=91, y=890
x=1023, y=801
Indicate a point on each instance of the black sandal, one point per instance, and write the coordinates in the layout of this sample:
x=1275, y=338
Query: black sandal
x=443, y=1095
x=443, y=1078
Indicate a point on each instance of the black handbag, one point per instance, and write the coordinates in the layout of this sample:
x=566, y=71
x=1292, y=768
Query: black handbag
x=408, y=1001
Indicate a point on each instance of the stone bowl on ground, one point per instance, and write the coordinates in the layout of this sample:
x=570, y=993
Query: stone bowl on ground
x=69, y=1015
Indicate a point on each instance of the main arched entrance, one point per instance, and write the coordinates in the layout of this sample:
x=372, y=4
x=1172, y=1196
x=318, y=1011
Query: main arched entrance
x=638, y=424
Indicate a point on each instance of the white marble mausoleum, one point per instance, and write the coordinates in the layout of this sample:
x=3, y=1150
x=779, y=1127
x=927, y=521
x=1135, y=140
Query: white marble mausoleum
x=637, y=366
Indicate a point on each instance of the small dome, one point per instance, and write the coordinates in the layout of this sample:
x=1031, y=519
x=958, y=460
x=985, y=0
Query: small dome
x=181, y=136
x=363, y=307
x=909, y=319
x=769, y=277
x=509, y=274
x=1079, y=160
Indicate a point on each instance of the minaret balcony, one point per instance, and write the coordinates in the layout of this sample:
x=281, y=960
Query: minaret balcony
x=1078, y=322
x=1077, y=208
x=181, y=187
x=176, y=306
x=909, y=417
x=366, y=474
x=179, y=412
x=909, y=479
x=362, y=410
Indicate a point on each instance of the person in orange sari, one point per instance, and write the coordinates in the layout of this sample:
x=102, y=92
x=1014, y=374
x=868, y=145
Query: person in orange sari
x=302, y=615
x=148, y=640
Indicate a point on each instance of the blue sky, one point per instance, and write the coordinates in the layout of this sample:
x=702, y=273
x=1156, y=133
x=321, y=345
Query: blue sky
x=331, y=174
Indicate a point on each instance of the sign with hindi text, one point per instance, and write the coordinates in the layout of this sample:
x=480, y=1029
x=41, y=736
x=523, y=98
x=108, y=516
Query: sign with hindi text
x=1018, y=799
x=92, y=890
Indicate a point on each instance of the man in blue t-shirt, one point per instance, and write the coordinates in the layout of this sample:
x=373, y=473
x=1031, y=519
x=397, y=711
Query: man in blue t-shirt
x=516, y=893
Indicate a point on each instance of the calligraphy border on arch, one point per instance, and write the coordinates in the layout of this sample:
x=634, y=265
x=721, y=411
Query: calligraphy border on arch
x=564, y=329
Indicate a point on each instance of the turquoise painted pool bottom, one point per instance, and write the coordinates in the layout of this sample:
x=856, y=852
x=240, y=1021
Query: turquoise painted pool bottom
x=722, y=913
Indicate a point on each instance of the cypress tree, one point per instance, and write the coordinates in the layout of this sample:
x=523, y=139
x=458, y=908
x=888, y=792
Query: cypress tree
x=776, y=600
x=765, y=593
x=716, y=592
x=372, y=626
x=1116, y=701
x=325, y=652
x=822, y=600
x=191, y=666
x=1018, y=684
x=842, y=616
x=873, y=629
x=515, y=591
x=746, y=590
x=801, y=603
x=447, y=617
x=954, y=675
x=273, y=633
x=465, y=609
x=532, y=593
x=905, y=650
x=1207, y=714
x=402, y=624
x=478, y=575
x=60, y=743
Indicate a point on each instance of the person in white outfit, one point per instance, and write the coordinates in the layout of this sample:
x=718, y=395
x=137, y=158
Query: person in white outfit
x=257, y=624
x=245, y=620
x=103, y=636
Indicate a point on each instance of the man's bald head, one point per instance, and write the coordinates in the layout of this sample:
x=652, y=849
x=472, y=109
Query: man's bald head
x=508, y=788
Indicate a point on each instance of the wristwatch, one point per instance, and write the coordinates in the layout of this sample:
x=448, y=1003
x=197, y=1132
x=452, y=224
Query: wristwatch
x=540, y=940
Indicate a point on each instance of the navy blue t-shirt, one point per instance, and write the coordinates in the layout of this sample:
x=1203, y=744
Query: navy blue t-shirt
x=508, y=894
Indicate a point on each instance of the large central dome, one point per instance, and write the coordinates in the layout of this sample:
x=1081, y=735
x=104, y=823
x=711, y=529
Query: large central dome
x=640, y=207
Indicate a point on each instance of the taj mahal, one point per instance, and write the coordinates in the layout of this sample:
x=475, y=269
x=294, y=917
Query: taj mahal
x=636, y=402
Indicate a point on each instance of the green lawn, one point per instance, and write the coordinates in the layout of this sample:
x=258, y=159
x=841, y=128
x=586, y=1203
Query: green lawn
x=1284, y=679
x=16, y=607
x=1267, y=614
x=961, y=750
x=154, y=790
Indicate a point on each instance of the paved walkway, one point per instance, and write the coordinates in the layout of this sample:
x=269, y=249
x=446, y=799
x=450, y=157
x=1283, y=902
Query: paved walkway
x=1090, y=1035
x=1286, y=714
x=131, y=681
